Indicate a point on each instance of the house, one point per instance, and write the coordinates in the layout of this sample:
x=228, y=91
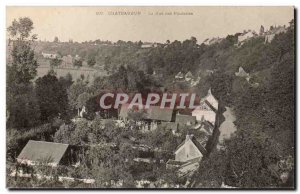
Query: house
x=77, y=57
x=187, y=156
x=269, y=38
x=270, y=35
x=169, y=126
x=149, y=45
x=153, y=116
x=189, y=149
x=179, y=75
x=158, y=72
x=209, y=71
x=50, y=55
x=243, y=73
x=67, y=60
x=205, y=112
x=49, y=153
x=195, y=82
x=155, y=113
x=185, y=120
x=211, y=99
x=206, y=127
x=246, y=36
x=188, y=76
x=215, y=40
x=212, y=41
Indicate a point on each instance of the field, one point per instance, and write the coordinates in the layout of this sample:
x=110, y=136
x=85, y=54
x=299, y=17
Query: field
x=88, y=73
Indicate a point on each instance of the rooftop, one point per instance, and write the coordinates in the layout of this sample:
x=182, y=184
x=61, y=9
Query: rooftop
x=39, y=150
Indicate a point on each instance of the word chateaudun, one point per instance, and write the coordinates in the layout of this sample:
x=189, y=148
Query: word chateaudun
x=166, y=100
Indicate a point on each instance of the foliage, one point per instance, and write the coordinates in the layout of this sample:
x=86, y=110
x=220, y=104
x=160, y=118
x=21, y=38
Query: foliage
x=21, y=28
x=52, y=97
x=55, y=62
x=77, y=63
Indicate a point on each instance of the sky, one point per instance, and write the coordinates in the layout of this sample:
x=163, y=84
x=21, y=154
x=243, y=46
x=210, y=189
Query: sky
x=91, y=23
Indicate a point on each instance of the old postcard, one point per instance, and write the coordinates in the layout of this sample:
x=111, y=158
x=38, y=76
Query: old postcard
x=150, y=97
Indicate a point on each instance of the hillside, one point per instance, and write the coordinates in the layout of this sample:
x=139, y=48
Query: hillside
x=53, y=91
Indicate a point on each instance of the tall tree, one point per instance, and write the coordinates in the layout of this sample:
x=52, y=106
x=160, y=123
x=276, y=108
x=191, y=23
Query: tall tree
x=91, y=61
x=56, y=39
x=21, y=29
x=23, y=62
x=22, y=105
x=52, y=97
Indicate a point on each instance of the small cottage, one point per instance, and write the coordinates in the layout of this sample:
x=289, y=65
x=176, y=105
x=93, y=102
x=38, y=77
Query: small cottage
x=47, y=153
x=187, y=156
x=188, y=76
x=185, y=120
x=179, y=75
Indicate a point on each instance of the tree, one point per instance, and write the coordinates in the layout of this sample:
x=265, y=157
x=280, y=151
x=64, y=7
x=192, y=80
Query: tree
x=24, y=63
x=52, y=97
x=82, y=100
x=77, y=63
x=120, y=79
x=221, y=85
x=66, y=81
x=137, y=115
x=22, y=108
x=21, y=29
x=55, y=62
x=210, y=173
x=261, y=30
x=56, y=39
x=77, y=88
x=91, y=61
x=247, y=160
x=64, y=134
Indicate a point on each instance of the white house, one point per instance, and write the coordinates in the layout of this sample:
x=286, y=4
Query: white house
x=179, y=75
x=212, y=41
x=246, y=36
x=189, y=149
x=271, y=34
x=211, y=99
x=207, y=110
x=243, y=73
x=188, y=76
x=50, y=55
x=187, y=156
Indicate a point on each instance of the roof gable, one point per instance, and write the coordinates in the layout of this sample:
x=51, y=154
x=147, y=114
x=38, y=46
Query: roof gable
x=195, y=142
x=211, y=99
x=189, y=74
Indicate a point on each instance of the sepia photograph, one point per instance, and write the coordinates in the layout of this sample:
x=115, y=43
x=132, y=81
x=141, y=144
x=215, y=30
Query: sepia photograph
x=150, y=97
